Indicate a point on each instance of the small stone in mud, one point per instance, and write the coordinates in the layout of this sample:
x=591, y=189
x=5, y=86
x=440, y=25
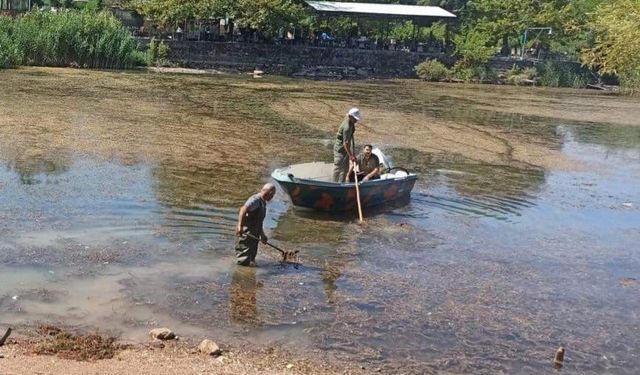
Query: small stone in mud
x=209, y=347
x=289, y=366
x=157, y=345
x=162, y=334
x=628, y=281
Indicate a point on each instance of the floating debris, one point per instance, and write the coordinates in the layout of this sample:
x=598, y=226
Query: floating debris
x=559, y=358
x=629, y=281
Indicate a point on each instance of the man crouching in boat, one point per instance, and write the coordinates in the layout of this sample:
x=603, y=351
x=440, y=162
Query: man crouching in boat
x=344, y=147
x=249, y=228
x=368, y=166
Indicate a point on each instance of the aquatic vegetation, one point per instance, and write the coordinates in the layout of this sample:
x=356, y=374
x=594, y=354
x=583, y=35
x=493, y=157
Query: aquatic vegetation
x=69, y=38
x=80, y=347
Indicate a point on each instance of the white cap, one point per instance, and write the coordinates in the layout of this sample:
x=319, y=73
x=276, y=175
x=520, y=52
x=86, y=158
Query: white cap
x=355, y=113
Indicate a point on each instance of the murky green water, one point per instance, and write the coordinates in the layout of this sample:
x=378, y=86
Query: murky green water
x=487, y=269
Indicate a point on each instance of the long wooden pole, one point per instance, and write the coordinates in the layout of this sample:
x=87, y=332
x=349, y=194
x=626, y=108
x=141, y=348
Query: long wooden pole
x=355, y=173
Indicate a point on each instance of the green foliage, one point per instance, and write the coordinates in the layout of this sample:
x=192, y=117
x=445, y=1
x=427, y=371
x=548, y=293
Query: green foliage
x=152, y=52
x=406, y=33
x=630, y=82
x=439, y=31
x=432, y=70
x=166, y=13
x=507, y=20
x=10, y=54
x=139, y=58
x=617, y=44
x=518, y=76
x=163, y=51
x=474, y=73
x=91, y=5
x=563, y=74
x=69, y=38
x=472, y=47
x=157, y=53
x=268, y=16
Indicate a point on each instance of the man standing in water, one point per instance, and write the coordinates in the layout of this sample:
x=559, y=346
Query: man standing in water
x=250, y=219
x=344, y=147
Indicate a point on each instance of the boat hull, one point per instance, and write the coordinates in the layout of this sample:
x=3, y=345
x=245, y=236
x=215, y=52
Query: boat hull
x=334, y=197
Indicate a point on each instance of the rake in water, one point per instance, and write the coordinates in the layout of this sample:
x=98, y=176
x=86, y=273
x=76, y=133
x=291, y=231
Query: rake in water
x=287, y=256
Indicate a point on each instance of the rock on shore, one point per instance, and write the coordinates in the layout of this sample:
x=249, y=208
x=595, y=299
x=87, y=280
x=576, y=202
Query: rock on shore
x=162, y=334
x=209, y=347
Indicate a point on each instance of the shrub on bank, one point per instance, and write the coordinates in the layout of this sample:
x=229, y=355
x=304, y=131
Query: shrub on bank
x=157, y=53
x=563, y=74
x=10, y=53
x=630, y=82
x=518, y=76
x=480, y=73
x=68, y=38
x=432, y=70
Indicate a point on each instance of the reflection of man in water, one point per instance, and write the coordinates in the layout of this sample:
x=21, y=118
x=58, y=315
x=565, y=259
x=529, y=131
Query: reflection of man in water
x=250, y=219
x=242, y=296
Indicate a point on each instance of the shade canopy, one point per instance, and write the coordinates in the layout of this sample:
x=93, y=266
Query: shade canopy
x=381, y=11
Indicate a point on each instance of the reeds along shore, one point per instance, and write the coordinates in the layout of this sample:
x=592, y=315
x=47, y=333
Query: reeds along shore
x=69, y=38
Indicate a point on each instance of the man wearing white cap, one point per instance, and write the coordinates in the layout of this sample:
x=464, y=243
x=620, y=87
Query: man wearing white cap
x=343, y=149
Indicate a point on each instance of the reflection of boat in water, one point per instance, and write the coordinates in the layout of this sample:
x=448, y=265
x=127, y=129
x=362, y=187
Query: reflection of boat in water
x=310, y=185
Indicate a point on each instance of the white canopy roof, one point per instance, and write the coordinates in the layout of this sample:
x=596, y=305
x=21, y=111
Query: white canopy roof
x=380, y=9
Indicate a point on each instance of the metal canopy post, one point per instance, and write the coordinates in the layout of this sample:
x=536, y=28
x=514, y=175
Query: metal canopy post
x=524, y=39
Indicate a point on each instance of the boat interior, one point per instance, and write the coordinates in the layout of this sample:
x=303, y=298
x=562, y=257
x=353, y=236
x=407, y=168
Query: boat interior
x=321, y=171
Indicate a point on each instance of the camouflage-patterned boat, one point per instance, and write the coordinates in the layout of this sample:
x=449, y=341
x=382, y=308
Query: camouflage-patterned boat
x=310, y=185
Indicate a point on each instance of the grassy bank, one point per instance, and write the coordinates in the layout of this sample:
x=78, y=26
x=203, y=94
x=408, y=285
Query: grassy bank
x=548, y=74
x=69, y=38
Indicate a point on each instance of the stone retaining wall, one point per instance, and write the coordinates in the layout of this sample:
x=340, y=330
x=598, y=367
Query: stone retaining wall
x=305, y=61
x=310, y=61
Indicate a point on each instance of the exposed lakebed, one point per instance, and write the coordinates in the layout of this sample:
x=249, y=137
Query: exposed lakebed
x=119, y=193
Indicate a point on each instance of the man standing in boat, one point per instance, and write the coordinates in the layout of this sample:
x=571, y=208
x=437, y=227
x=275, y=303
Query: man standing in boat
x=344, y=147
x=249, y=228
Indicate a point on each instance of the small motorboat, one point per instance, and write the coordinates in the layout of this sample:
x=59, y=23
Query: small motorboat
x=311, y=185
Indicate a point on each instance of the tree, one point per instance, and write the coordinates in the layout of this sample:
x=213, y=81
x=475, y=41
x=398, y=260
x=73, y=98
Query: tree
x=165, y=13
x=472, y=47
x=617, y=44
x=268, y=16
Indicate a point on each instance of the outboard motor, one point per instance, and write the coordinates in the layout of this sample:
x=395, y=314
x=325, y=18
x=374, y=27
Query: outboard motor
x=389, y=169
x=386, y=163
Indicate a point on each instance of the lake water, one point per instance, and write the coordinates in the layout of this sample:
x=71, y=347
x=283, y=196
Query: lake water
x=119, y=195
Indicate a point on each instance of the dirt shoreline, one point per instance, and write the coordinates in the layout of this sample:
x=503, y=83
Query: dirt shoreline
x=175, y=357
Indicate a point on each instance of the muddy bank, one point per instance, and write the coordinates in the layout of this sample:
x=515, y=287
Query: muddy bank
x=180, y=357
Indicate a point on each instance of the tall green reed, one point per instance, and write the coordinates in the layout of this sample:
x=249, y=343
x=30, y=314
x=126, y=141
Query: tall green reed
x=69, y=38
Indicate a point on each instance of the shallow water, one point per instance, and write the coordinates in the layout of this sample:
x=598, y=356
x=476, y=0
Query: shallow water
x=117, y=213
